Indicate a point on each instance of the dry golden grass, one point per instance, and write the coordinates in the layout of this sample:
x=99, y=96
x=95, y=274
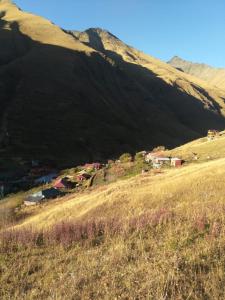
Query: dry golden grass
x=177, y=257
x=184, y=188
x=205, y=150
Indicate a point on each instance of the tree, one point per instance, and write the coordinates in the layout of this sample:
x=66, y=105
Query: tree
x=126, y=157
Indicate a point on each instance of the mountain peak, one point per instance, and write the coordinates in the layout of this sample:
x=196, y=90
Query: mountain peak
x=96, y=37
x=175, y=58
x=100, y=31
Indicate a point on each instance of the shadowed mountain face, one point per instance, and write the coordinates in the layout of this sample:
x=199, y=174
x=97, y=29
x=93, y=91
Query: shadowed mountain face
x=214, y=76
x=76, y=97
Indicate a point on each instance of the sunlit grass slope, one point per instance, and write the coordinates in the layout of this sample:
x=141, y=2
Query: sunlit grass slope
x=169, y=242
x=181, y=189
x=204, y=149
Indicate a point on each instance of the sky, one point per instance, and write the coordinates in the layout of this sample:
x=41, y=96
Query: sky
x=191, y=29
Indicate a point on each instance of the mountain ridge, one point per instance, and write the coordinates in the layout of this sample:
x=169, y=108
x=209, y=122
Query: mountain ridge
x=212, y=75
x=92, y=103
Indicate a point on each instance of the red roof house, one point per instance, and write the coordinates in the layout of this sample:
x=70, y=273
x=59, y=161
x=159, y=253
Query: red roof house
x=63, y=183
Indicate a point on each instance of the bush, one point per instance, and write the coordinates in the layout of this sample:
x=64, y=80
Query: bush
x=126, y=157
x=159, y=148
x=139, y=157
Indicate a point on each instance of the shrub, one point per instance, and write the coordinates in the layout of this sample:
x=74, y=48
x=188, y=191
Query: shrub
x=126, y=157
x=139, y=157
x=159, y=148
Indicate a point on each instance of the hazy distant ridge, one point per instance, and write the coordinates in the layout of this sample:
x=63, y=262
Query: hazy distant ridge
x=215, y=76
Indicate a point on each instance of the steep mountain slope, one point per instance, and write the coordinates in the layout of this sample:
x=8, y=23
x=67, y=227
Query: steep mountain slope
x=214, y=76
x=72, y=101
x=111, y=46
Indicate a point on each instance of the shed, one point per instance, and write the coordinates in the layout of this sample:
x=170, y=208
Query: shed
x=34, y=199
x=176, y=162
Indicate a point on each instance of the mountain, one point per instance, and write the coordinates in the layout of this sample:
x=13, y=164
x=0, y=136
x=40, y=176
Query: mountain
x=213, y=76
x=74, y=97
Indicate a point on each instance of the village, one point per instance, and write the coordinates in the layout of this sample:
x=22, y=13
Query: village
x=49, y=183
x=85, y=176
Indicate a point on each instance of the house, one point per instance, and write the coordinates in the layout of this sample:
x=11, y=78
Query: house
x=52, y=193
x=212, y=134
x=152, y=155
x=38, y=197
x=64, y=183
x=176, y=162
x=45, y=179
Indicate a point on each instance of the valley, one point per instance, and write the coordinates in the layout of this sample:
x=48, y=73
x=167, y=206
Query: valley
x=112, y=162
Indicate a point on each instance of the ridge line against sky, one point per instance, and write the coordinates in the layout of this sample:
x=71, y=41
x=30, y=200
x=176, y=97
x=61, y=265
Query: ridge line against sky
x=192, y=30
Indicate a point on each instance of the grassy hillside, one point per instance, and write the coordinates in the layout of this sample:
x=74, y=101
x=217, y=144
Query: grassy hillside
x=134, y=196
x=202, y=148
x=91, y=103
x=152, y=236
